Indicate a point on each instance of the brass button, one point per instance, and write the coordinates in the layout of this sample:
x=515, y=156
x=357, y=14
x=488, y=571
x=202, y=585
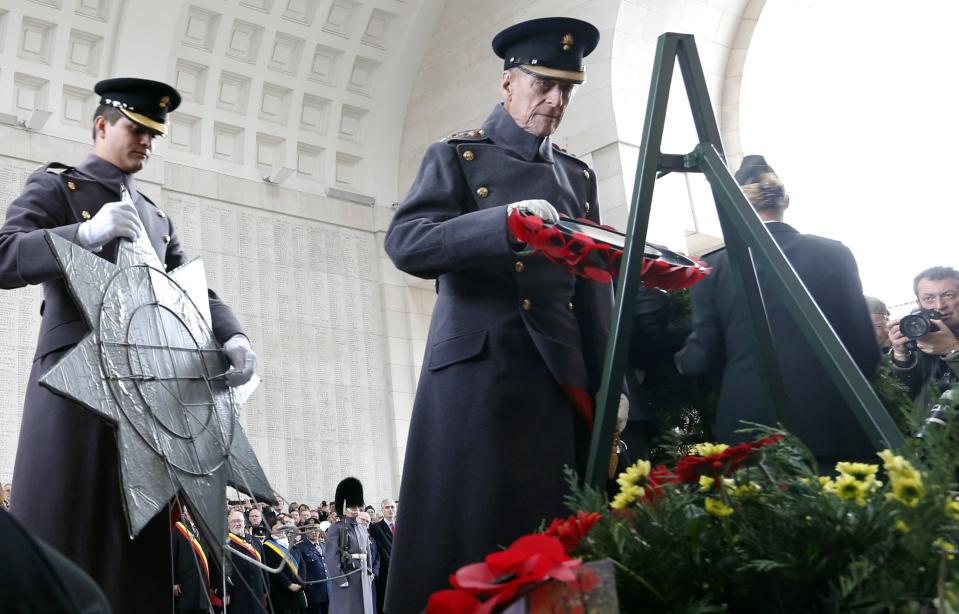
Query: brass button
x=162, y=214
x=586, y=206
x=85, y=215
x=527, y=304
x=569, y=306
x=482, y=192
x=71, y=185
x=519, y=266
x=586, y=173
x=166, y=238
x=468, y=155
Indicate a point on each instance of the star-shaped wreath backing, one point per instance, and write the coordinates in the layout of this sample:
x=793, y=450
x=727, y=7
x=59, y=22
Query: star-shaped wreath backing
x=152, y=367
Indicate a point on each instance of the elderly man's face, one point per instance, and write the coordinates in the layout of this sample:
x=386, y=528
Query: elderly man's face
x=536, y=104
x=236, y=523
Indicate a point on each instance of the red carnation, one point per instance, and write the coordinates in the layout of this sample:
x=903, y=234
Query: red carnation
x=718, y=466
x=572, y=530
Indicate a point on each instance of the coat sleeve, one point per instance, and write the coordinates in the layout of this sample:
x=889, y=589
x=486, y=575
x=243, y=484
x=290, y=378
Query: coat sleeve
x=437, y=229
x=704, y=351
x=25, y=256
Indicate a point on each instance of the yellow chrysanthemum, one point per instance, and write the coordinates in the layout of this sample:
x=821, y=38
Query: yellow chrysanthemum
x=848, y=488
x=827, y=484
x=901, y=526
x=898, y=467
x=945, y=547
x=717, y=508
x=709, y=449
x=634, y=474
x=860, y=471
x=707, y=483
x=907, y=491
x=751, y=488
x=952, y=509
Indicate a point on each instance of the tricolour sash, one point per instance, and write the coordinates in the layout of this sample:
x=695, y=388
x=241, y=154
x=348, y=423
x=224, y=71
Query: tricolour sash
x=197, y=548
x=284, y=554
x=239, y=541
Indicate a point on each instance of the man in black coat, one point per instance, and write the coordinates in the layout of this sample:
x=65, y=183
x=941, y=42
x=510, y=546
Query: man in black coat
x=194, y=574
x=63, y=448
x=516, y=343
x=286, y=587
x=721, y=339
x=381, y=534
x=249, y=583
x=314, y=569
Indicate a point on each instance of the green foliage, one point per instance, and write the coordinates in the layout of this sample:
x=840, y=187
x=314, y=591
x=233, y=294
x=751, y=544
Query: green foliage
x=791, y=543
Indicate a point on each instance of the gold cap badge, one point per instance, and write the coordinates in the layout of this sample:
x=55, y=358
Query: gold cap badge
x=567, y=42
x=164, y=101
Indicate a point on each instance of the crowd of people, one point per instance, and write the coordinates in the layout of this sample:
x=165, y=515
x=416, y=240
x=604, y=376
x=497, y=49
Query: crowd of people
x=287, y=558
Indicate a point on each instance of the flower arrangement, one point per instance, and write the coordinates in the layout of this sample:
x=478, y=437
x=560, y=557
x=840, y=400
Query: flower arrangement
x=753, y=528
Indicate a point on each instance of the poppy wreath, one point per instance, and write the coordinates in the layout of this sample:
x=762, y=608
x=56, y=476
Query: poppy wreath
x=585, y=257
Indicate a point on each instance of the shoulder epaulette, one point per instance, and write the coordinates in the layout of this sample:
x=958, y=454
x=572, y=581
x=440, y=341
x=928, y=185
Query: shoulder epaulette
x=467, y=135
x=55, y=167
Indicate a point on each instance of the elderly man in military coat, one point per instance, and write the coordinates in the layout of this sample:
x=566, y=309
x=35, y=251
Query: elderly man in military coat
x=516, y=343
x=67, y=458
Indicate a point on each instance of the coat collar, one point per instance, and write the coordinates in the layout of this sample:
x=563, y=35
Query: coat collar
x=775, y=227
x=109, y=175
x=502, y=129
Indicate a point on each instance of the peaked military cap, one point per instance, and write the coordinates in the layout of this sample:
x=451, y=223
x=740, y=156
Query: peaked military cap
x=349, y=493
x=142, y=101
x=551, y=47
x=752, y=169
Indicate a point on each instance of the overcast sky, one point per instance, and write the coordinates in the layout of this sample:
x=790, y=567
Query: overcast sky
x=853, y=104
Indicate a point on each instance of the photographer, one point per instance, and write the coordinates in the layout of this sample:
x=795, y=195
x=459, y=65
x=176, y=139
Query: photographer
x=925, y=344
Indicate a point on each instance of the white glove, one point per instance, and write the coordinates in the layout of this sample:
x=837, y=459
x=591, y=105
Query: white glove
x=540, y=208
x=112, y=221
x=242, y=360
x=622, y=413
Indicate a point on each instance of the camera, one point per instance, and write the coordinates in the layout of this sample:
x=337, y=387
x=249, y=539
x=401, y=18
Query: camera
x=919, y=323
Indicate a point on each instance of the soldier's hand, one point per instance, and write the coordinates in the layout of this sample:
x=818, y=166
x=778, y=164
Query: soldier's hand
x=294, y=587
x=242, y=360
x=112, y=221
x=540, y=208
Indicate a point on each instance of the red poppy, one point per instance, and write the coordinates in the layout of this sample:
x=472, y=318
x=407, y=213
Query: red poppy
x=529, y=559
x=572, y=530
x=451, y=601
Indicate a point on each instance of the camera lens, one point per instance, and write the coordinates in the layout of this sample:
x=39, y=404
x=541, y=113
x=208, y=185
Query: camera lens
x=914, y=326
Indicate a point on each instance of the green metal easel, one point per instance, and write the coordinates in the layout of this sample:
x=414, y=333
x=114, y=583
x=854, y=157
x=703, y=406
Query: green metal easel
x=747, y=242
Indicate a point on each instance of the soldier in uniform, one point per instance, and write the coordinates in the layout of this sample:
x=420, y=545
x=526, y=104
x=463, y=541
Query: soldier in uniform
x=314, y=569
x=347, y=554
x=516, y=343
x=63, y=449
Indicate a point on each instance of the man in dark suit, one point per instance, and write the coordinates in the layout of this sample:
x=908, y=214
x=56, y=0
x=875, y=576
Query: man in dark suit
x=249, y=583
x=286, y=587
x=194, y=574
x=64, y=448
x=314, y=569
x=721, y=339
x=516, y=343
x=381, y=533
